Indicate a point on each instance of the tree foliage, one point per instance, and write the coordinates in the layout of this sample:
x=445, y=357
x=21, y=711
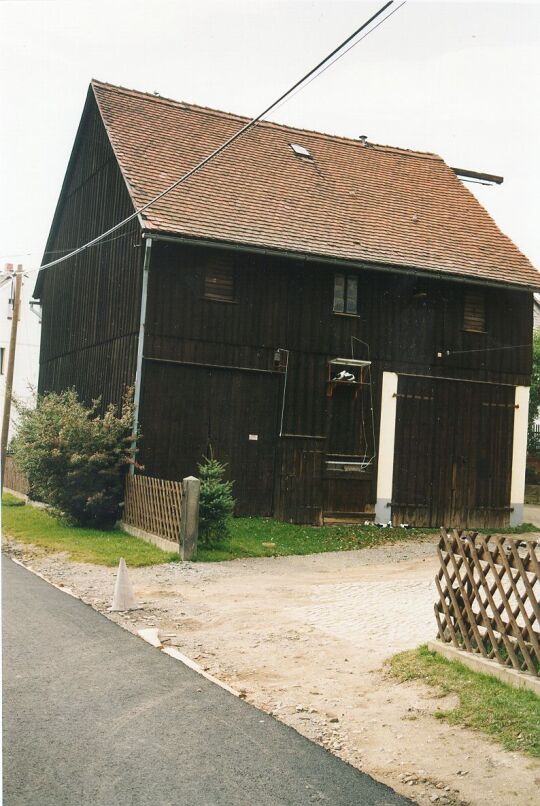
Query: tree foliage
x=216, y=503
x=534, y=400
x=75, y=458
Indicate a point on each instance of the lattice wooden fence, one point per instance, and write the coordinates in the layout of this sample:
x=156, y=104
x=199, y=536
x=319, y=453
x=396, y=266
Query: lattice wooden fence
x=154, y=505
x=489, y=591
x=13, y=478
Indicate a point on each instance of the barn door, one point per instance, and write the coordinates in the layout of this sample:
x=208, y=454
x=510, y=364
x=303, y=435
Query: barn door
x=190, y=412
x=243, y=429
x=453, y=453
x=413, y=493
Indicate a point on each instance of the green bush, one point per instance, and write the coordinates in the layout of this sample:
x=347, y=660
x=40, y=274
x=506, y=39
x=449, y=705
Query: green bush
x=533, y=438
x=75, y=459
x=216, y=504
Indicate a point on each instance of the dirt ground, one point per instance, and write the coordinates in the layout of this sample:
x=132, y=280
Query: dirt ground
x=305, y=638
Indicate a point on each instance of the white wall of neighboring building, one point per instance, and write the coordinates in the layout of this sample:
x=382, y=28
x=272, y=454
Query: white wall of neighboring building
x=536, y=311
x=27, y=353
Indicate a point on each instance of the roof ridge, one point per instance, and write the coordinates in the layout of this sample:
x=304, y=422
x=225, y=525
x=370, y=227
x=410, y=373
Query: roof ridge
x=207, y=110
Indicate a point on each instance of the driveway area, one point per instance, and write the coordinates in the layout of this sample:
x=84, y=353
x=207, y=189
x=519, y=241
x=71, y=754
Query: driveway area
x=305, y=639
x=94, y=716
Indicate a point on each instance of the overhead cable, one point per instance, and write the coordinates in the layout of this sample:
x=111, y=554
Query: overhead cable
x=224, y=145
x=338, y=57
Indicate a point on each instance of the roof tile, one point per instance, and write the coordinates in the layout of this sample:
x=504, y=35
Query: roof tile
x=377, y=204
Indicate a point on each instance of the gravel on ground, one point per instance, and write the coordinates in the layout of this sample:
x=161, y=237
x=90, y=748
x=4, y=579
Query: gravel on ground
x=305, y=639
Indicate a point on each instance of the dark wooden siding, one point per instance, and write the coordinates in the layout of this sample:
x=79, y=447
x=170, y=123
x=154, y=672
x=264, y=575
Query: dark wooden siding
x=403, y=324
x=283, y=303
x=230, y=414
x=91, y=303
x=453, y=453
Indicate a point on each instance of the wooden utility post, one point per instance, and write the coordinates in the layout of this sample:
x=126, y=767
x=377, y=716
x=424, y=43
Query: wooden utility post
x=11, y=366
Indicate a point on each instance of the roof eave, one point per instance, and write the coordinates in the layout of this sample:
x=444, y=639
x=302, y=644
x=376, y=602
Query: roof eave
x=436, y=274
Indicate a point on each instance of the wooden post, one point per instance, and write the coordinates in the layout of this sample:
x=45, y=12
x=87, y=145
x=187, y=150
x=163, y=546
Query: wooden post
x=189, y=524
x=10, y=368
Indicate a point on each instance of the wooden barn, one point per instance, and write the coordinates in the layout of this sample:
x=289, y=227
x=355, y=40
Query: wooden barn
x=341, y=322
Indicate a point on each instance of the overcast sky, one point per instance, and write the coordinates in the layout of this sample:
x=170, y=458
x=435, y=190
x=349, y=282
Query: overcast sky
x=460, y=79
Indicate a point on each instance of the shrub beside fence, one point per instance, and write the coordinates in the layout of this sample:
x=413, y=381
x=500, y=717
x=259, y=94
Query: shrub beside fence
x=13, y=478
x=489, y=592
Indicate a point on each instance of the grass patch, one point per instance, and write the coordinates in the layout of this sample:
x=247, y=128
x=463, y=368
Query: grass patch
x=37, y=527
x=9, y=500
x=247, y=536
x=510, y=716
x=523, y=528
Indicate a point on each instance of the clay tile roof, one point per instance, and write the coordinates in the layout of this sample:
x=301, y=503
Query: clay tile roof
x=372, y=203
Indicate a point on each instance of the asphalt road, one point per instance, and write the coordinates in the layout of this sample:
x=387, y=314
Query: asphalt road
x=93, y=715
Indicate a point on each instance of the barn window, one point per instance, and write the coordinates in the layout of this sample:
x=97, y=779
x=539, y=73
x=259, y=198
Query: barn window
x=219, y=282
x=474, y=312
x=345, y=293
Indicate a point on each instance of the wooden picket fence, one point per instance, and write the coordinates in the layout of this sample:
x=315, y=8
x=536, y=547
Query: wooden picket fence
x=13, y=478
x=154, y=505
x=489, y=591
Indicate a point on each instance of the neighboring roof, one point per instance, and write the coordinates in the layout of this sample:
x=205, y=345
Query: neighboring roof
x=363, y=203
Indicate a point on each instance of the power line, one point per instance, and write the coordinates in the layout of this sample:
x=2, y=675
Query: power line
x=220, y=148
x=27, y=272
x=340, y=56
x=108, y=240
x=65, y=249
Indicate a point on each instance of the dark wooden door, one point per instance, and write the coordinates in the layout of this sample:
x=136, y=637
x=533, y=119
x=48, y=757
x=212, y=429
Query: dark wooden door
x=190, y=412
x=348, y=473
x=416, y=423
x=453, y=453
x=243, y=430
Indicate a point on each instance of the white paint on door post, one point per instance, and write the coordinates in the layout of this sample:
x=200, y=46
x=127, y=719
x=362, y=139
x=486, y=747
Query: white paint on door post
x=387, y=433
x=519, y=454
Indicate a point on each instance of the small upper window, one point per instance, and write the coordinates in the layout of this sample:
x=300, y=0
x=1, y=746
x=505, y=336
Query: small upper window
x=300, y=151
x=2, y=354
x=474, y=312
x=219, y=282
x=345, y=293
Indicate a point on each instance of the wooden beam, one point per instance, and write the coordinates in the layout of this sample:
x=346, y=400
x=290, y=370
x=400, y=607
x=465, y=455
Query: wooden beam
x=481, y=177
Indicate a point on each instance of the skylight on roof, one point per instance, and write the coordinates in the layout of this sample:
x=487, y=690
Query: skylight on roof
x=300, y=151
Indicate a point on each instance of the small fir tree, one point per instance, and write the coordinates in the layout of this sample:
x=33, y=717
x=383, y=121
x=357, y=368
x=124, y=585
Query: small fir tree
x=216, y=503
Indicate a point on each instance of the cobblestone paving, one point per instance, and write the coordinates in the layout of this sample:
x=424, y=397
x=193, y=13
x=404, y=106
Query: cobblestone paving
x=353, y=612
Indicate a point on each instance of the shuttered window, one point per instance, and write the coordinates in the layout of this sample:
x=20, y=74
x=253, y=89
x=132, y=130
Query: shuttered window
x=474, y=312
x=345, y=294
x=219, y=282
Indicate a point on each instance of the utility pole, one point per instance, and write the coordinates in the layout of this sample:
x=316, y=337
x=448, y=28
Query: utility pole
x=11, y=365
